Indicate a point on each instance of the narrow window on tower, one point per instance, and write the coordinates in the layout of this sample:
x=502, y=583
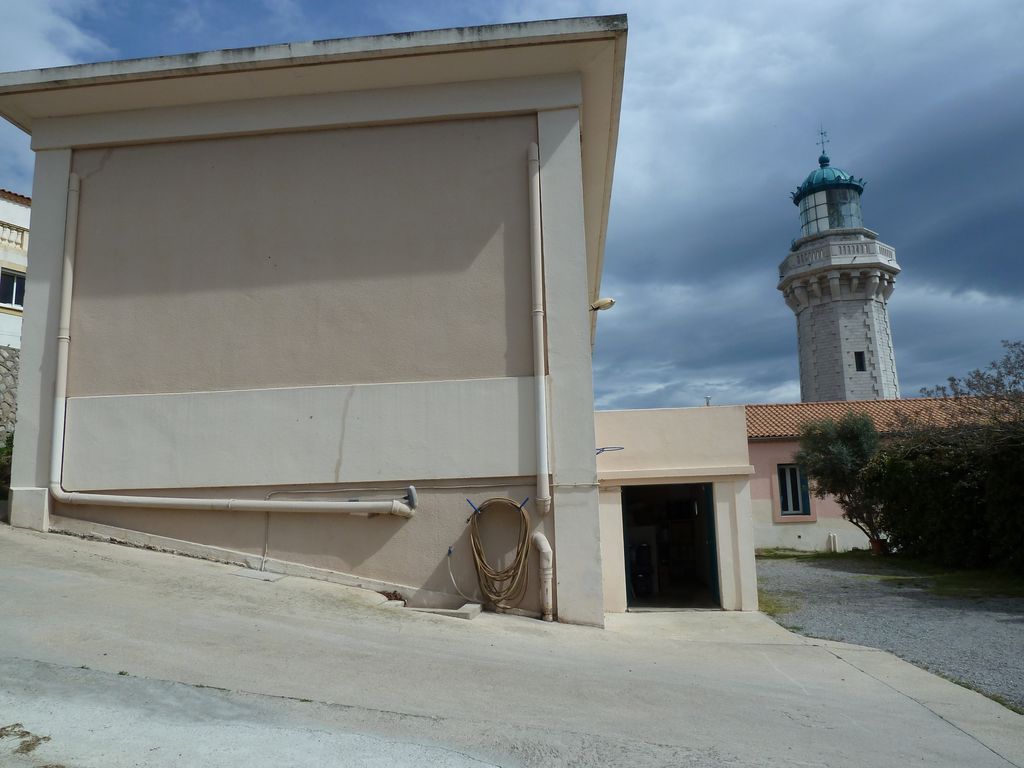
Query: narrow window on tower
x=858, y=361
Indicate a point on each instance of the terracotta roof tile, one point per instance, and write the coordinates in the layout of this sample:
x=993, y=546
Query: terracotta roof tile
x=777, y=421
x=14, y=197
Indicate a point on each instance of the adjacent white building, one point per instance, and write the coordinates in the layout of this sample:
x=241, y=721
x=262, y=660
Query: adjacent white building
x=15, y=211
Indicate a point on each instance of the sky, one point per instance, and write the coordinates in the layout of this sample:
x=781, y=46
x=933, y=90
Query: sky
x=721, y=109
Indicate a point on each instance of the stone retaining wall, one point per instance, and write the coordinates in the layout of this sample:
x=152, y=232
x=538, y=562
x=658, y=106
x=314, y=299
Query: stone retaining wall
x=8, y=390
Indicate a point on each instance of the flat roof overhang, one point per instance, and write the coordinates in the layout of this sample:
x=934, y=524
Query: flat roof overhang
x=594, y=47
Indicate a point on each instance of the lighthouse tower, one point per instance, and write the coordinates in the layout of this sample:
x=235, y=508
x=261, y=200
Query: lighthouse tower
x=837, y=279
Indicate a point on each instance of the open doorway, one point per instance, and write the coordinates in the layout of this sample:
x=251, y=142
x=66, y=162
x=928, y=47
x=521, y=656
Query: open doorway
x=671, y=554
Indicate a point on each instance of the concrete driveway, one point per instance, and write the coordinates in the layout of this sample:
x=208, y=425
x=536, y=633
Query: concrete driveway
x=119, y=657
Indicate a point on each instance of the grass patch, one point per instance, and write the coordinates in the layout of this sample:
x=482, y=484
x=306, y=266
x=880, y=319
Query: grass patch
x=943, y=582
x=946, y=582
x=775, y=604
x=977, y=584
x=779, y=553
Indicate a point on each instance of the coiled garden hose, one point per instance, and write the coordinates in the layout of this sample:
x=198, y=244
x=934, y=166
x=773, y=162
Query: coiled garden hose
x=503, y=587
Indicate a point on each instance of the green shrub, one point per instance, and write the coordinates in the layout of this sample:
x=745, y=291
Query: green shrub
x=834, y=455
x=1004, y=497
x=932, y=501
x=952, y=496
x=6, y=454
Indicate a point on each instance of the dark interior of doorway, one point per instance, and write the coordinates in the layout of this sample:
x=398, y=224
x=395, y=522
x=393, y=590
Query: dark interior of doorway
x=671, y=555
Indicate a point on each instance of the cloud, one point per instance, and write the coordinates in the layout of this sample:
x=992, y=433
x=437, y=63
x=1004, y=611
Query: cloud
x=189, y=18
x=672, y=344
x=944, y=323
x=43, y=33
x=721, y=106
x=285, y=15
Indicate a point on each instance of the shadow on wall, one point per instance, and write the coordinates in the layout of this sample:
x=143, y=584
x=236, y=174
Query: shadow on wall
x=365, y=255
x=359, y=204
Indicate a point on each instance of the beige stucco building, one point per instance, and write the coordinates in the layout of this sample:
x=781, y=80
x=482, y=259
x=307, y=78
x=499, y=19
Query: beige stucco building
x=676, y=509
x=269, y=280
x=273, y=288
x=786, y=514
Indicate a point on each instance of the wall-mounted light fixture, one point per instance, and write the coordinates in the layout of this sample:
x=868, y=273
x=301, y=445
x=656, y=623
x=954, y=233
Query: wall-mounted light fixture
x=602, y=304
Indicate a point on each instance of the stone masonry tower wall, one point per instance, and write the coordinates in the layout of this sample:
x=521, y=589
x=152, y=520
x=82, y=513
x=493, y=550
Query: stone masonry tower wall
x=837, y=279
x=830, y=333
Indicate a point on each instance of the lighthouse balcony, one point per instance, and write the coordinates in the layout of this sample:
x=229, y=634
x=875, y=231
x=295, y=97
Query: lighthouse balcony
x=837, y=252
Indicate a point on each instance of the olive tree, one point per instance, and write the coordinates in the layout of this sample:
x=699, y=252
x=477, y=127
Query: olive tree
x=834, y=455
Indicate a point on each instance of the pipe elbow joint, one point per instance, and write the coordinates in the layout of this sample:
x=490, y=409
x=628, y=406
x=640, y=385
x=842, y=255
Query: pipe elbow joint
x=540, y=541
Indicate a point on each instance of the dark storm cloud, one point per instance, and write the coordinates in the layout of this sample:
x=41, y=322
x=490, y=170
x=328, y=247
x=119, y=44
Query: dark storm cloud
x=721, y=106
x=924, y=107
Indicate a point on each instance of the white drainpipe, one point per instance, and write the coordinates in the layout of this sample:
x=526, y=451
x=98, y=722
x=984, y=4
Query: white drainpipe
x=544, y=550
x=384, y=507
x=543, y=498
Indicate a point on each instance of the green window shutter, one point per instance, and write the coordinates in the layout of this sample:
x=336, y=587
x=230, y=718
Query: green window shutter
x=783, y=495
x=805, y=494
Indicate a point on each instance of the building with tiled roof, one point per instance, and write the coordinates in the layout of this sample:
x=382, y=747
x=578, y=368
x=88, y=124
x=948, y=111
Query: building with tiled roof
x=14, y=197
x=782, y=421
x=785, y=513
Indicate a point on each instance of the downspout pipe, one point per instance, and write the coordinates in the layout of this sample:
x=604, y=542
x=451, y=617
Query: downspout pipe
x=400, y=508
x=542, y=500
x=540, y=541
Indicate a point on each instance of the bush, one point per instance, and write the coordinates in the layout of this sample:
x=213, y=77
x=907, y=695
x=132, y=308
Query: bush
x=951, y=498
x=932, y=499
x=948, y=491
x=953, y=494
x=6, y=454
x=1004, y=499
x=834, y=455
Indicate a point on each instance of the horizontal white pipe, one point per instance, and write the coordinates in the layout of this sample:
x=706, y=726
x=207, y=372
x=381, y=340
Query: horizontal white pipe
x=383, y=507
x=540, y=541
x=543, y=499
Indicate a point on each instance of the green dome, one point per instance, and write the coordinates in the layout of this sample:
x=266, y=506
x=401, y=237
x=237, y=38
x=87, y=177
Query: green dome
x=826, y=177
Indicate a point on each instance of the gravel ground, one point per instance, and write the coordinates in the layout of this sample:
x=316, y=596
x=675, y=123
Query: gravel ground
x=976, y=641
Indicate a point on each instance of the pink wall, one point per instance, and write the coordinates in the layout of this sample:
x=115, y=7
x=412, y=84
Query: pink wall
x=765, y=456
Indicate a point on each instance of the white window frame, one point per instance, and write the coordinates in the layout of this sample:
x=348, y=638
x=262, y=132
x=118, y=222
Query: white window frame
x=15, y=274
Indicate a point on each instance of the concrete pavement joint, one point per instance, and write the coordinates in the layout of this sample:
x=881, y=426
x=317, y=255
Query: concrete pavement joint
x=925, y=706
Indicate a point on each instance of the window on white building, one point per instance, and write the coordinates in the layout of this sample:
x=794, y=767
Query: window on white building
x=12, y=289
x=794, y=496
